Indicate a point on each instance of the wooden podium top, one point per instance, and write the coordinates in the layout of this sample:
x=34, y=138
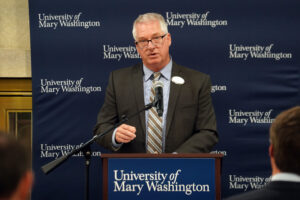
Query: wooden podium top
x=164, y=155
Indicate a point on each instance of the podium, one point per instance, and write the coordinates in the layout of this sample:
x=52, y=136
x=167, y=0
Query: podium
x=161, y=176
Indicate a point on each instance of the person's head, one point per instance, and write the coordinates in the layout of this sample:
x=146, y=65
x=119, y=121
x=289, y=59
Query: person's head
x=152, y=26
x=16, y=176
x=284, y=149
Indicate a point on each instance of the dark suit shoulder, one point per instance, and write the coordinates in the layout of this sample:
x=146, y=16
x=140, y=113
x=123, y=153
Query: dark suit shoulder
x=128, y=70
x=124, y=76
x=276, y=190
x=188, y=71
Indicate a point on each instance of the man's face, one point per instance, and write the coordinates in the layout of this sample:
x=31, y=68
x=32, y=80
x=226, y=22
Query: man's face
x=155, y=57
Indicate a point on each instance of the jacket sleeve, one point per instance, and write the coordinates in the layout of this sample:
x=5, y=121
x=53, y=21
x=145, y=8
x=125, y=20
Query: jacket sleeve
x=107, y=116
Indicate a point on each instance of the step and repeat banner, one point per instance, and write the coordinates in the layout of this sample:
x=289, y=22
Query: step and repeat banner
x=250, y=49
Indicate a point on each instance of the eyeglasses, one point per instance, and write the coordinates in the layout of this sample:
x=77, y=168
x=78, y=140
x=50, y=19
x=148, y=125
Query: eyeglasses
x=155, y=41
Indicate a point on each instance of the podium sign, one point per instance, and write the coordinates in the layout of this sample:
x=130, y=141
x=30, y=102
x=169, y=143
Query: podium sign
x=161, y=178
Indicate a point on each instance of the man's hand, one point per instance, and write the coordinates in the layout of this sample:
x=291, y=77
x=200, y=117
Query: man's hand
x=125, y=133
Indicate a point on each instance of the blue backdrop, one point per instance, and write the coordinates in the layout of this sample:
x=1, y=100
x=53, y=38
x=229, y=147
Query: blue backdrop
x=249, y=48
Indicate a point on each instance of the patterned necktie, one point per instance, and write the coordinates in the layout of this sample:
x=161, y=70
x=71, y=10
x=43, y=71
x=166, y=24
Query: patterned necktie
x=154, y=130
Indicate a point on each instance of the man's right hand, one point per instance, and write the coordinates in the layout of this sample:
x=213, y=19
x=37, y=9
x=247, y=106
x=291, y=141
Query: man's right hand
x=125, y=133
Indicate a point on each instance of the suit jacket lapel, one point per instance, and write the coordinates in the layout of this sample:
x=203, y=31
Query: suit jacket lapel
x=174, y=93
x=138, y=85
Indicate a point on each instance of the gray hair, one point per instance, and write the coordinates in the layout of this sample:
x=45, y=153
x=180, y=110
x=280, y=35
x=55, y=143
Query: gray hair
x=150, y=17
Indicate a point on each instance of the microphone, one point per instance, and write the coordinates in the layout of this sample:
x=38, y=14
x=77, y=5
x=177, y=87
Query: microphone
x=159, y=98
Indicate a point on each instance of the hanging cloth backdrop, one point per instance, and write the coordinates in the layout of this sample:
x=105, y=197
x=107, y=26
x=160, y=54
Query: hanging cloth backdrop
x=249, y=48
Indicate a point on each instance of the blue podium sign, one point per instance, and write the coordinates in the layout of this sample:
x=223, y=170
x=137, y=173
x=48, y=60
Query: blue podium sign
x=161, y=178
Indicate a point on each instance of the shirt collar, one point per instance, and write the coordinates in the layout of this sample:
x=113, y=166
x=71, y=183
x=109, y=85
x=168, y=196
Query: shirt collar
x=165, y=71
x=283, y=176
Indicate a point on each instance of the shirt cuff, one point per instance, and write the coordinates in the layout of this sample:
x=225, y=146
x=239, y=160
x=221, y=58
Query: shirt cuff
x=114, y=142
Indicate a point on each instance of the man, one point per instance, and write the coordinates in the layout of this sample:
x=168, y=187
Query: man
x=284, y=152
x=188, y=123
x=16, y=176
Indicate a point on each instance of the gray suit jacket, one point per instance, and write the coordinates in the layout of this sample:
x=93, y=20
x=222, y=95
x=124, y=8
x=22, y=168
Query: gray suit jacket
x=190, y=123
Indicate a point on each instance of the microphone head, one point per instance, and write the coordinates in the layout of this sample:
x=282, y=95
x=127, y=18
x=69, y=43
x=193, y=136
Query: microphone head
x=158, y=99
x=158, y=84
